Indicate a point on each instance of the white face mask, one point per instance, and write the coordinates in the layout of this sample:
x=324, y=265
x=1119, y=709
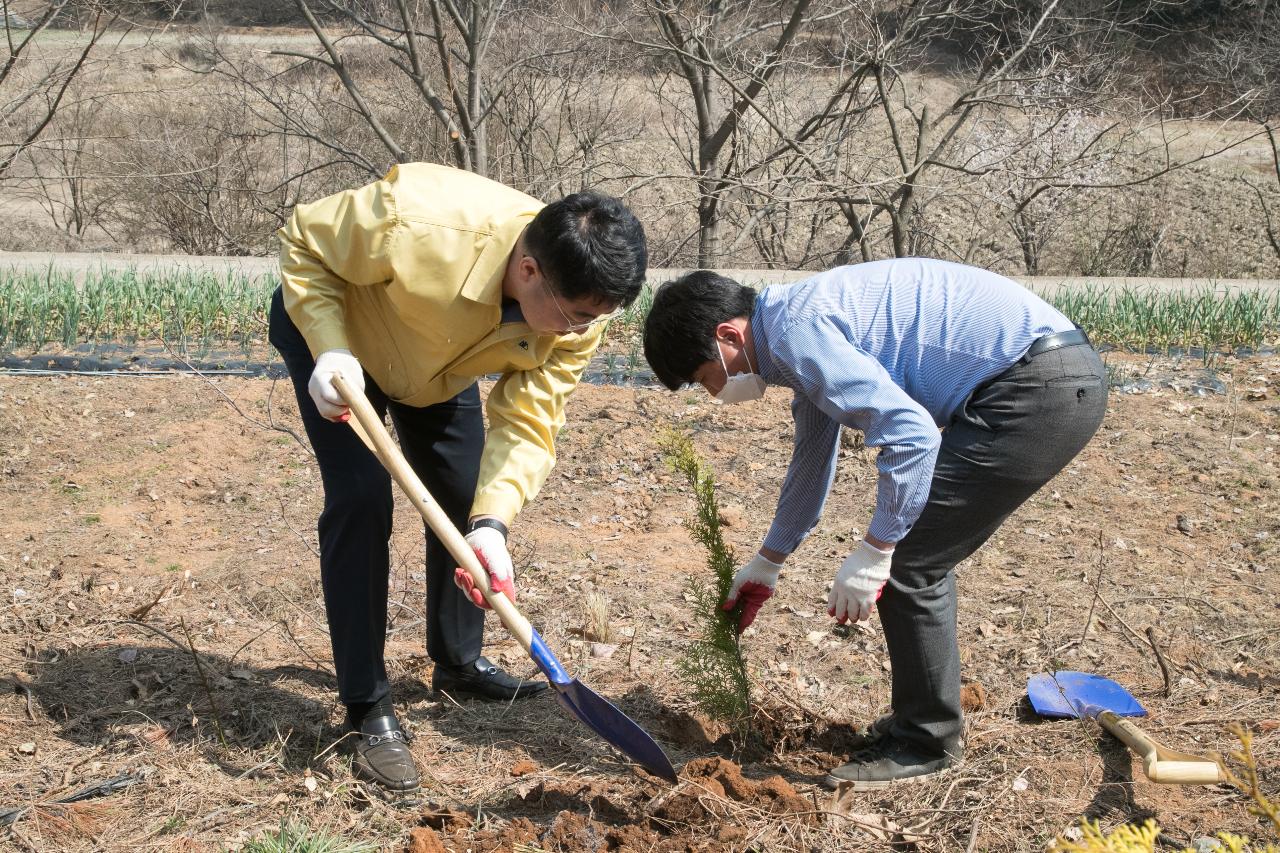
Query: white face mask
x=741, y=387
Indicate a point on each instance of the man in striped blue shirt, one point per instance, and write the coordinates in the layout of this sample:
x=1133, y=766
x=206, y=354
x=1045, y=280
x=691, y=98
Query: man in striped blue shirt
x=898, y=349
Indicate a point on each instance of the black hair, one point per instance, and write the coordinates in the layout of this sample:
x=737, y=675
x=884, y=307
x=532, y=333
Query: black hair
x=589, y=245
x=680, y=331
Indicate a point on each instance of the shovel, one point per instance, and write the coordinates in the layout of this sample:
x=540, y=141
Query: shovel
x=582, y=703
x=1084, y=695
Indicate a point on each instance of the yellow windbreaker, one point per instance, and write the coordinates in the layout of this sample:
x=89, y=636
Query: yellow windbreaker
x=407, y=274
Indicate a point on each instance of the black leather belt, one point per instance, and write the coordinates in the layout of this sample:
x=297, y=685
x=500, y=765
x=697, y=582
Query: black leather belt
x=1069, y=338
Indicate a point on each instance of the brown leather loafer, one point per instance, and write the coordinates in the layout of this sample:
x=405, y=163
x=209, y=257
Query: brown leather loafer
x=381, y=754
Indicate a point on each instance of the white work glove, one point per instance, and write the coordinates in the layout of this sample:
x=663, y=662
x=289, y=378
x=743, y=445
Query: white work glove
x=858, y=583
x=491, y=549
x=753, y=585
x=333, y=362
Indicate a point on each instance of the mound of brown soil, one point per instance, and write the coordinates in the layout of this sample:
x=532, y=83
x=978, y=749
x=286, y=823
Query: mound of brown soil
x=713, y=785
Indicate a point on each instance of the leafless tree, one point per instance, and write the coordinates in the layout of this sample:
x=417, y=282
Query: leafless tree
x=723, y=55
x=32, y=88
x=874, y=139
x=63, y=165
x=1244, y=64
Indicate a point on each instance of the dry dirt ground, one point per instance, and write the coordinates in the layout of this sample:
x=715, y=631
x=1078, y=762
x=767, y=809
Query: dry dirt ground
x=159, y=584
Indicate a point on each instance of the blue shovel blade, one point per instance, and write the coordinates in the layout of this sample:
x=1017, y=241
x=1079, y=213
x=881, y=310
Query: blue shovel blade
x=1080, y=694
x=601, y=715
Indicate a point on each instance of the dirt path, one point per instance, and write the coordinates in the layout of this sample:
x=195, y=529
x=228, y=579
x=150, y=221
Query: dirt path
x=143, y=517
x=79, y=263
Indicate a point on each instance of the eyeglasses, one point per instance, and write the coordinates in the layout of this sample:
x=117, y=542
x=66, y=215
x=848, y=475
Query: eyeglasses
x=579, y=327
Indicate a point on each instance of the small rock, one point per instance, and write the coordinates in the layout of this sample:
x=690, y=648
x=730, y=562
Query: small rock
x=523, y=767
x=973, y=697
x=423, y=839
x=445, y=817
x=728, y=833
x=1021, y=784
x=28, y=748
x=603, y=650
x=732, y=515
x=1185, y=527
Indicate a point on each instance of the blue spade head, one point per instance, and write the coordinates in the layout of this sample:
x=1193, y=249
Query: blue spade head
x=601, y=715
x=1079, y=694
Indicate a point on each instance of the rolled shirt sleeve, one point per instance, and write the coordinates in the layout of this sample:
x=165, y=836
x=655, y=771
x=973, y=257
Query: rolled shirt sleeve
x=850, y=387
x=526, y=412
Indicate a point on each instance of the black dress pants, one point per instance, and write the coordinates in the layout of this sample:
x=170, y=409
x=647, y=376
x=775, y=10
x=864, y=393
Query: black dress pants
x=443, y=444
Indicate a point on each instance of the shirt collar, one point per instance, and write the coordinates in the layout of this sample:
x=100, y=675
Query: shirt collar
x=766, y=365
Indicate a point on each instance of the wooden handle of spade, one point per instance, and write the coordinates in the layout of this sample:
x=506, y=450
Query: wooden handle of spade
x=398, y=467
x=1161, y=764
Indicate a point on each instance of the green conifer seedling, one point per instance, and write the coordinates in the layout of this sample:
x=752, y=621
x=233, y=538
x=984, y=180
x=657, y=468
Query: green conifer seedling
x=712, y=668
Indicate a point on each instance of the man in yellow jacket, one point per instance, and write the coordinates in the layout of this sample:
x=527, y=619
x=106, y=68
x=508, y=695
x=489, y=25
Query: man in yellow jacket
x=411, y=288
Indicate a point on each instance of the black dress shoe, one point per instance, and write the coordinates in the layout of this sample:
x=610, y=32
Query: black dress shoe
x=481, y=679
x=890, y=761
x=382, y=753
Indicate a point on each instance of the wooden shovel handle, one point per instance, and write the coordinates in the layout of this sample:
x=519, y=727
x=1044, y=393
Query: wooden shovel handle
x=393, y=460
x=1159, y=763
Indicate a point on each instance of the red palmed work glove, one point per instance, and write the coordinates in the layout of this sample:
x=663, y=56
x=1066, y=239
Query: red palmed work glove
x=858, y=583
x=491, y=549
x=753, y=586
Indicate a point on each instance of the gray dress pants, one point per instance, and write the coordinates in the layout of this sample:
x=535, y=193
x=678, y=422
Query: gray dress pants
x=1013, y=434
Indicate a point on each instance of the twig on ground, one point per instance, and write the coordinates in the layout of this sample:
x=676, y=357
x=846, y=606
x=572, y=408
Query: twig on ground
x=285, y=624
x=1093, y=605
x=270, y=426
x=1127, y=626
x=271, y=420
x=1164, y=667
x=140, y=612
x=153, y=629
x=208, y=691
x=249, y=642
x=973, y=836
x=305, y=541
x=20, y=686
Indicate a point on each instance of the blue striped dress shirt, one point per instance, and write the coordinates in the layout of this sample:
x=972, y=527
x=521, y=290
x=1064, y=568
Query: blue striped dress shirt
x=892, y=348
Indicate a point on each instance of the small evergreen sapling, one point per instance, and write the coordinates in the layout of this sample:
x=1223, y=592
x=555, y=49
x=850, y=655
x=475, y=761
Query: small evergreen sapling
x=712, y=667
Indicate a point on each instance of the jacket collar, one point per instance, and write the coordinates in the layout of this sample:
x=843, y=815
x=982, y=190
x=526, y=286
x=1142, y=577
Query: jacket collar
x=484, y=282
